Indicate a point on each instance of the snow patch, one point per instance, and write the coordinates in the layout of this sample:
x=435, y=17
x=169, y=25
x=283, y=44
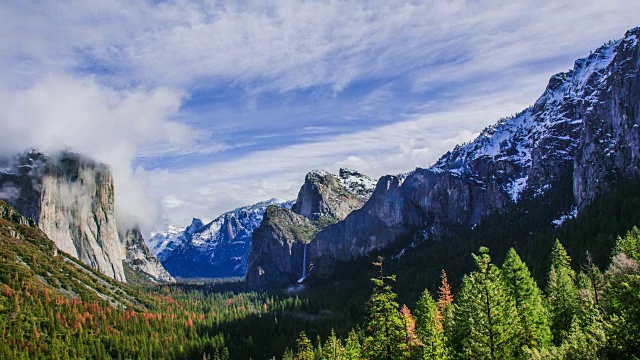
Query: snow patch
x=564, y=217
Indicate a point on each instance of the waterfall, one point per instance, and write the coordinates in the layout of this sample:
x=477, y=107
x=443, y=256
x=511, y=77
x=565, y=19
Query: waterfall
x=304, y=264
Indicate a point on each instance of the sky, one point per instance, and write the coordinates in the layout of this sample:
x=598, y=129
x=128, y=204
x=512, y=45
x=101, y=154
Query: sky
x=204, y=106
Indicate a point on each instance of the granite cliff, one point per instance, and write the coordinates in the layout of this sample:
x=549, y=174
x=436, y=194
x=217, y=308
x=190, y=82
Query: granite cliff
x=71, y=198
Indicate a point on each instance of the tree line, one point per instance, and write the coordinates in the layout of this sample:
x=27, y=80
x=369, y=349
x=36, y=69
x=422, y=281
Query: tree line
x=499, y=312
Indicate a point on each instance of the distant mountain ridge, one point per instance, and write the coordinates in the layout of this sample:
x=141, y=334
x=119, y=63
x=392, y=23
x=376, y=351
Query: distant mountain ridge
x=219, y=248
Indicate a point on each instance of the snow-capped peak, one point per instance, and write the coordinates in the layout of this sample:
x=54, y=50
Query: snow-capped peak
x=356, y=182
x=220, y=247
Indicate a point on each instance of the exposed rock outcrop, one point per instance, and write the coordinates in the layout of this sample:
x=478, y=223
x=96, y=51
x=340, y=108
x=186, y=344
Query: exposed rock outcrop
x=583, y=129
x=71, y=198
x=141, y=260
x=326, y=195
x=277, y=248
x=278, y=245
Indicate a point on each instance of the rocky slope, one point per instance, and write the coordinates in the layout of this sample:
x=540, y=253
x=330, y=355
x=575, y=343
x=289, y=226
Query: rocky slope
x=71, y=198
x=219, y=248
x=581, y=136
x=140, y=258
x=278, y=249
x=327, y=195
x=28, y=255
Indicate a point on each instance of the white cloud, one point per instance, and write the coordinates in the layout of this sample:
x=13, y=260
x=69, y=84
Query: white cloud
x=107, y=124
x=290, y=44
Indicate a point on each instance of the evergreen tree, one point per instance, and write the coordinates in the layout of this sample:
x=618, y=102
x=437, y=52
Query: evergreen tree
x=484, y=313
x=352, y=350
x=386, y=331
x=562, y=293
x=305, y=348
x=621, y=298
x=332, y=348
x=629, y=245
x=533, y=328
x=288, y=355
x=429, y=328
x=595, y=277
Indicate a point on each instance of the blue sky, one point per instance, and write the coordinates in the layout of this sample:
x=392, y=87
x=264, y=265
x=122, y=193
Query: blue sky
x=204, y=106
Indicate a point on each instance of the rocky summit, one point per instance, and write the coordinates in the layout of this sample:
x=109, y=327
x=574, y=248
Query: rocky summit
x=279, y=245
x=140, y=259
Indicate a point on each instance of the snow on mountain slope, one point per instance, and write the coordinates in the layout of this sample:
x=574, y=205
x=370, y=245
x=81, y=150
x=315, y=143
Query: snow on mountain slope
x=580, y=139
x=551, y=125
x=163, y=242
x=217, y=249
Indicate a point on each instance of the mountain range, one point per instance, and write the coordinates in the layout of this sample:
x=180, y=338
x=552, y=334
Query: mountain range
x=579, y=139
x=220, y=248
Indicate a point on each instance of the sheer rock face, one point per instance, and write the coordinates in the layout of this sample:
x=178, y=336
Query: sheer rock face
x=610, y=138
x=139, y=257
x=71, y=198
x=277, y=250
x=399, y=206
x=77, y=212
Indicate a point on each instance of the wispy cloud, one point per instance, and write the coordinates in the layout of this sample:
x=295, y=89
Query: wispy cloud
x=225, y=103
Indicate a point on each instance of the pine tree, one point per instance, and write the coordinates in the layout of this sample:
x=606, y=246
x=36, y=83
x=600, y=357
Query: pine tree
x=288, y=355
x=352, y=349
x=621, y=296
x=562, y=293
x=332, y=348
x=629, y=245
x=533, y=328
x=429, y=328
x=445, y=297
x=484, y=313
x=596, y=278
x=386, y=332
x=305, y=348
x=447, y=311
